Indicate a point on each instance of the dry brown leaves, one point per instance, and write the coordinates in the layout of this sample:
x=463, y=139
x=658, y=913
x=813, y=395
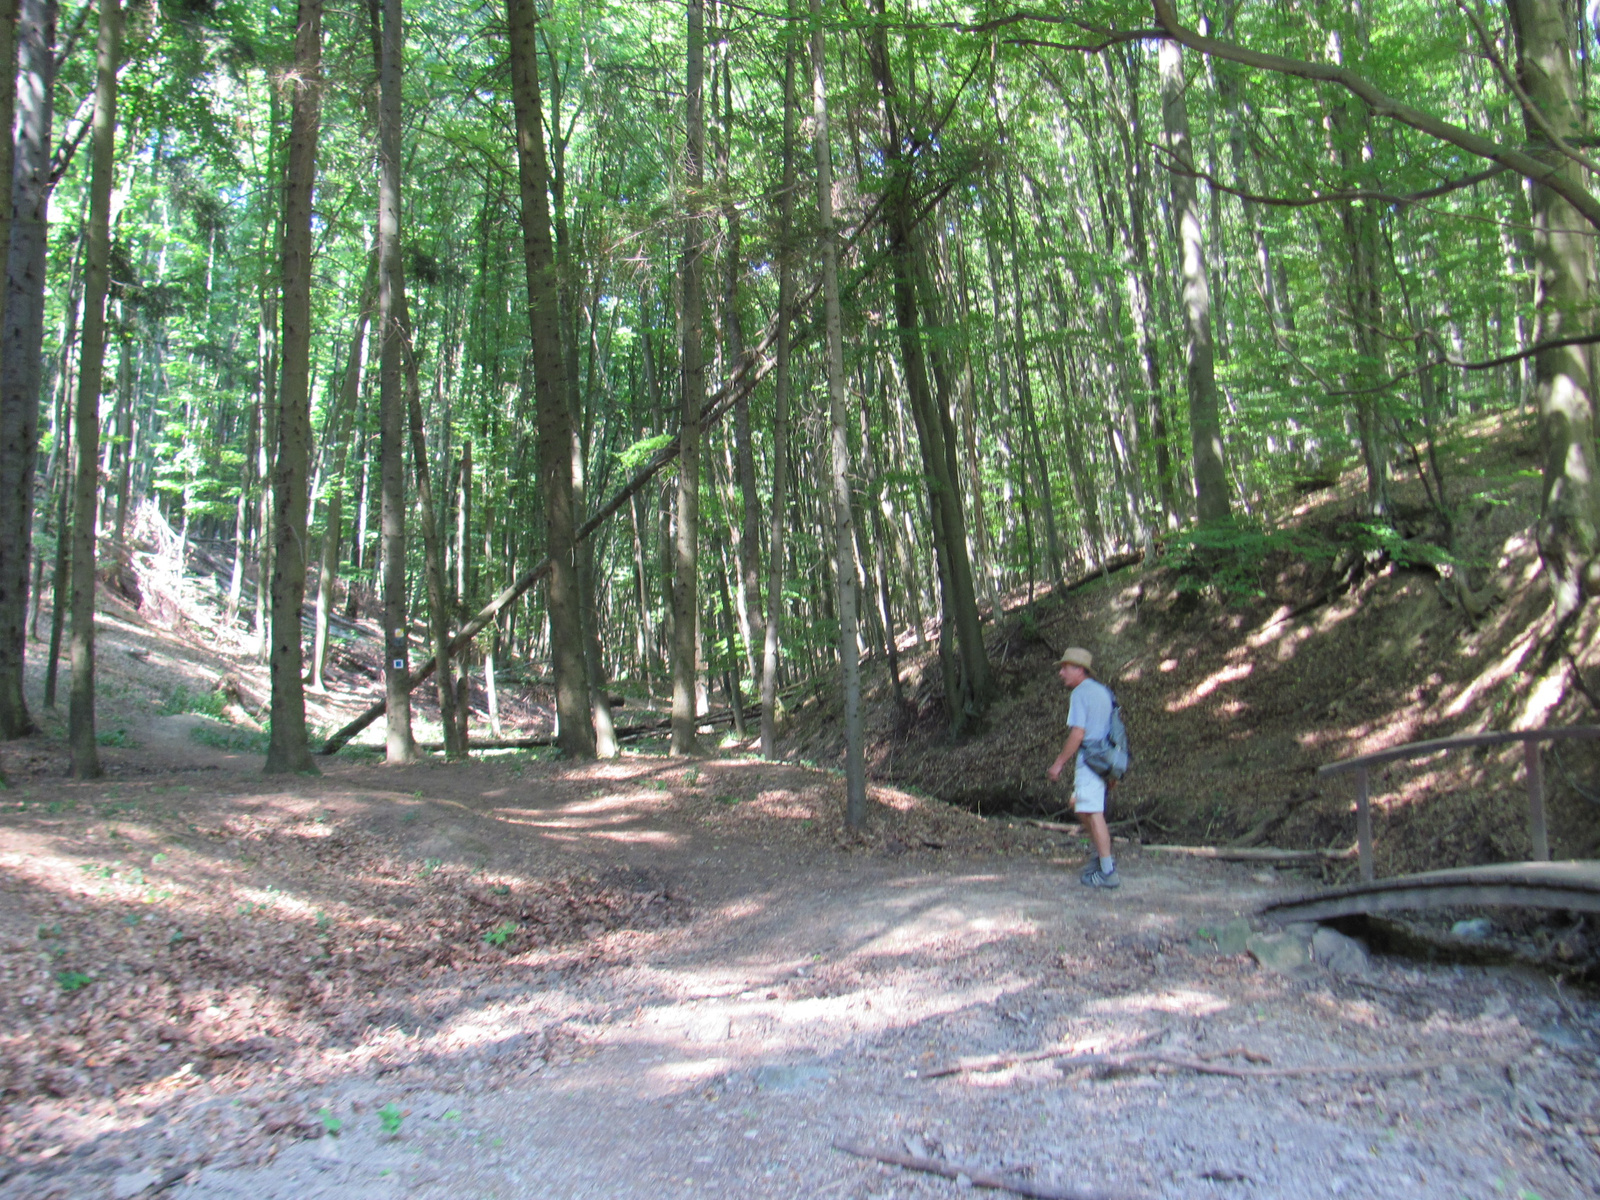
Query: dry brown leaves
x=258, y=940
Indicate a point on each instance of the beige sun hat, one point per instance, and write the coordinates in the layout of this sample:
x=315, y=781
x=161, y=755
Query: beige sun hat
x=1076, y=656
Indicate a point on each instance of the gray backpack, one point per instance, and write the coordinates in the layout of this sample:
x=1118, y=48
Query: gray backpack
x=1110, y=756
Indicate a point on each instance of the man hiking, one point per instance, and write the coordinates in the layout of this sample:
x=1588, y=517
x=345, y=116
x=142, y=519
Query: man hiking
x=1089, y=715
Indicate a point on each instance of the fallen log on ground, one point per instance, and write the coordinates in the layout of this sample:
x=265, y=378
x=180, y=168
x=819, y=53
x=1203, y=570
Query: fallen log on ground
x=623, y=732
x=1256, y=854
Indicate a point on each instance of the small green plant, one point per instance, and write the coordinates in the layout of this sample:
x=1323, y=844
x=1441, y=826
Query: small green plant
x=241, y=741
x=132, y=919
x=330, y=1123
x=692, y=776
x=501, y=933
x=112, y=737
x=501, y=889
x=730, y=801
x=390, y=1116
x=185, y=700
x=323, y=921
x=429, y=866
x=156, y=859
x=49, y=931
x=408, y=817
x=56, y=806
x=453, y=1115
x=249, y=909
x=72, y=981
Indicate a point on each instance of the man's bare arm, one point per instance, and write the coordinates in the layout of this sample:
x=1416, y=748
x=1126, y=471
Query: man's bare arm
x=1074, y=740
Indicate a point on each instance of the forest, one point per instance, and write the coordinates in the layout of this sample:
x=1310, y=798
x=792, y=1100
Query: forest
x=699, y=348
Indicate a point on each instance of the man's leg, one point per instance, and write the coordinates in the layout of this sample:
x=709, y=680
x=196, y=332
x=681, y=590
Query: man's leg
x=1099, y=832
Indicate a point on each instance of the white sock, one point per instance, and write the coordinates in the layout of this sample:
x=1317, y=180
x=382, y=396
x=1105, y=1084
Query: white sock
x=1107, y=864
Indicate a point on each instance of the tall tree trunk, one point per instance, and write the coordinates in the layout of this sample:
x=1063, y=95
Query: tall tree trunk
x=97, y=272
x=1141, y=287
x=464, y=529
x=241, y=516
x=21, y=336
x=1033, y=447
x=288, y=751
x=576, y=736
x=124, y=424
x=1212, y=500
x=855, y=775
x=685, y=574
x=1563, y=248
x=65, y=482
x=400, y=745
x=266, y=458
x=969, y=682
x=776, y=554
x=749, y=528
x=432, y=539
x=332, y=526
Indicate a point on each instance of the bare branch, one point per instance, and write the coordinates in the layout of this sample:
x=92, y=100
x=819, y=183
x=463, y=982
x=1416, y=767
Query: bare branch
x=1179, y=166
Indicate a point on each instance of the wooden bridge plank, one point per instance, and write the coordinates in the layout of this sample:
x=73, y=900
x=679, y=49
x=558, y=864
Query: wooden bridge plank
x=1561, y=885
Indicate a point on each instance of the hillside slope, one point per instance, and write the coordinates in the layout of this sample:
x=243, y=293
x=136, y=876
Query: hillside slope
x=1244, y=670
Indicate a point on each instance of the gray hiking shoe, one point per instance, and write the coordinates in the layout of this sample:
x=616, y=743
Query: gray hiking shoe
x=1100, y=879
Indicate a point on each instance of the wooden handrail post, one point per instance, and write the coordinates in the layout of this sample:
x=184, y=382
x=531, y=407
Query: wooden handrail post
x=1364, y=824
x=1533, y=761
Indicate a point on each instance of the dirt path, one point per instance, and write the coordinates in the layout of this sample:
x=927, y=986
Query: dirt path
x=792, y=990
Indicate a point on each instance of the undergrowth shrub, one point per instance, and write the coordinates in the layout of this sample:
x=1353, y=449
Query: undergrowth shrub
x=185, y=700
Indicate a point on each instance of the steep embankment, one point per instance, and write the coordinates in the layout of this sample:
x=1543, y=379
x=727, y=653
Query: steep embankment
x=1245, y=671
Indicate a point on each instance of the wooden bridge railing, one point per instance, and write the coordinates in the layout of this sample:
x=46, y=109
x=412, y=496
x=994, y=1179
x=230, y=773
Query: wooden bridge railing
x=1532, y=760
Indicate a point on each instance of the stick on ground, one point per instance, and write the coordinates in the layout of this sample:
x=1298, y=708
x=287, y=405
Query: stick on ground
x=980, y=1178
x=1152, y=1059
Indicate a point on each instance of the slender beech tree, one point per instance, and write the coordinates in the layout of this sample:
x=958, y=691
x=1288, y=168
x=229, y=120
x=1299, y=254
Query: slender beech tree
x=1212, y=500
x=97, y=274
x=288, y=751
x=776, y=554
x=844, y=554
x=686, y=548
x=21, y=336
x=576, y=734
